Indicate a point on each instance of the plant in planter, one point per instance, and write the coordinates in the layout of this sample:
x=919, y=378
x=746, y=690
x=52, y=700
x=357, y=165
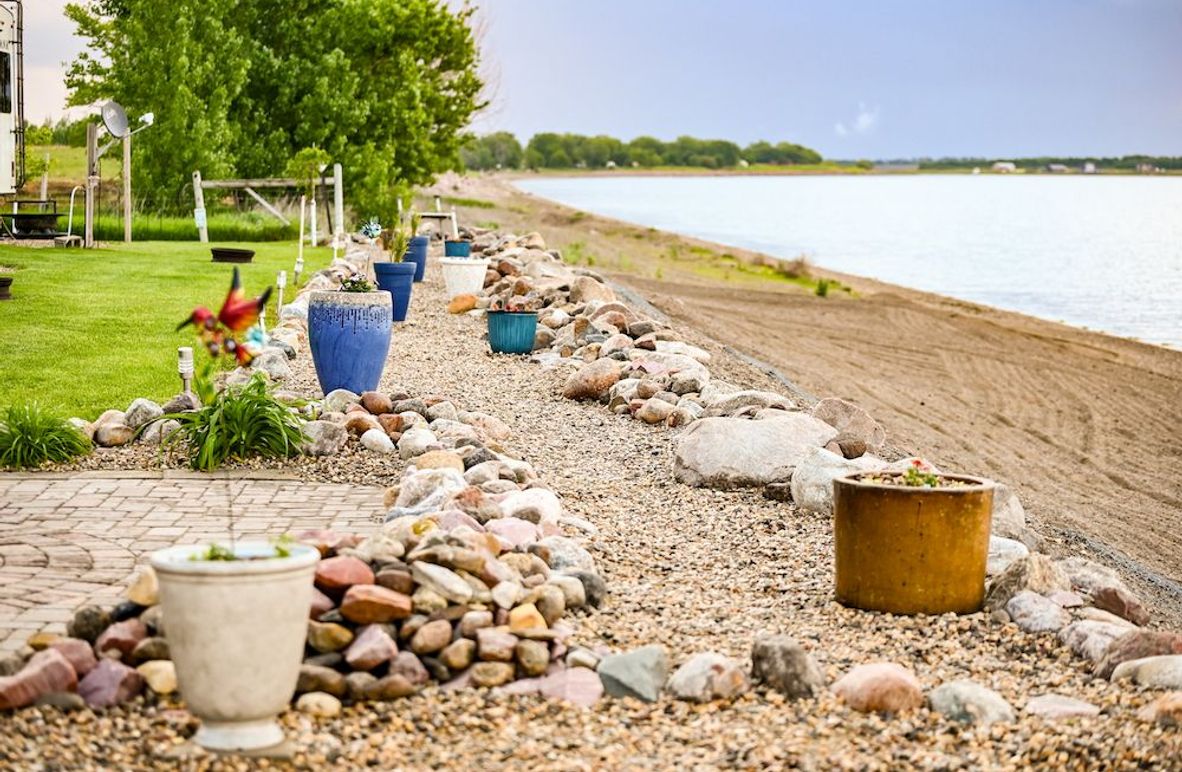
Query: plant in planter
x=371, y=229
x=913, y=541
x=512, y=324
x=349, y=334
x=396, y=275
x=237, y=622
x=417, y=252
x=6, y=277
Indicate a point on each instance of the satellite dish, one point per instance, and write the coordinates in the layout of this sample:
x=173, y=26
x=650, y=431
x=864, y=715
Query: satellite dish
x=115, y=119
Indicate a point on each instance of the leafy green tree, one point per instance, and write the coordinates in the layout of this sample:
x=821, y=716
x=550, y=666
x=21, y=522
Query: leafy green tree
x=385, y=87
x=500, y=150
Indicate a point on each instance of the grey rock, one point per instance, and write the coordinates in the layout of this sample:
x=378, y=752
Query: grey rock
x=1035, y=572
x=1162, y=672
x=1003, y=552
x=1091, y=639
x=415, y=442
x=708, y=676
x=1009, y=517
x=324, y=438
x=970, y=703
x=639, y=673
x=851, y=421
x=562, y=553
x=812, y=480
x=732, y=452
x=782, y=663
x=141, y=411
x=1053, y=707
x=1035, y=613
x=594, y=588
x=88, y=623
x=273, y=362
x=377, y=441
x=159, y=431
x=339, y=399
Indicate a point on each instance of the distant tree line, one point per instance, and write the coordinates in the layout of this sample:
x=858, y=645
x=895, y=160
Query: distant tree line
x=1127, y=162
x=63, y=132
x=567, y=151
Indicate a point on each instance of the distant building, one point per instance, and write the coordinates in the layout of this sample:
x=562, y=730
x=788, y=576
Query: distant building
x=1057, y=168
x=1089, y=167
x=610, y=164
x=1147, y=168
x=1005, y=167
x=743, y=163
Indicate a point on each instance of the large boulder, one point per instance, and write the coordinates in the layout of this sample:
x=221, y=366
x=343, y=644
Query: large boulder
x=812, y=481
x=851, y=421
x=733, y=452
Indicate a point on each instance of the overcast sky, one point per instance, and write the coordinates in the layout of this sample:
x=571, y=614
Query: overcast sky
x=852, y=78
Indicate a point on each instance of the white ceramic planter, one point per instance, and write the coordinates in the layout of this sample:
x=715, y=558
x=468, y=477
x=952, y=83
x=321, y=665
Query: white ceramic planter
x=463, y=275
x=236, y=631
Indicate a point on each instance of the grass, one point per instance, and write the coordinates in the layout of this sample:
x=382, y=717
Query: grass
x=92, y=330
x=65, y=163
x=475, y=203
x=223, y=226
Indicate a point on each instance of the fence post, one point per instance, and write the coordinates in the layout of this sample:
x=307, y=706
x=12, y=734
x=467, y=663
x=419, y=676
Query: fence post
x=199, y=208
x=338, y=202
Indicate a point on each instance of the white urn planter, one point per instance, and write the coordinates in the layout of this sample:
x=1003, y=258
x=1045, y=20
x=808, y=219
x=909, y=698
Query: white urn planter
x=236, y=631
x=463, y=275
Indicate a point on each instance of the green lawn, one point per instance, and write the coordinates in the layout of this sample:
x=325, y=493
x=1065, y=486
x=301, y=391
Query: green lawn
x=88, y=330
x=65, y=163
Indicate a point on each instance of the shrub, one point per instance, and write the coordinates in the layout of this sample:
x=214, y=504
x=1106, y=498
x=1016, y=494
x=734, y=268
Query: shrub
x=240, y=422
x=822, y=288
x=30, y=437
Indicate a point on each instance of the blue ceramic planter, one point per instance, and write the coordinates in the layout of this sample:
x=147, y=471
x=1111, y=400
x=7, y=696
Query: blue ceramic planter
x=349, y=333
x=457, y=249
x=417, y=254
x=511, y=333
x=398, y=280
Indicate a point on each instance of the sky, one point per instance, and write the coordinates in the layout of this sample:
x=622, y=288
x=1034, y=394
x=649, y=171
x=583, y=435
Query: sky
x=851, y=78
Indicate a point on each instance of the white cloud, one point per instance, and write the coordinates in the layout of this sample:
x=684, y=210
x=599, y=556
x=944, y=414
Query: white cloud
x=864, y=123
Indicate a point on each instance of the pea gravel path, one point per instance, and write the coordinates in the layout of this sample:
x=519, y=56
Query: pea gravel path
x=692, y=569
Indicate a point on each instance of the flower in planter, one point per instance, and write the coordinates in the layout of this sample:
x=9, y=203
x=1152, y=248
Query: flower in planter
x=356, y=283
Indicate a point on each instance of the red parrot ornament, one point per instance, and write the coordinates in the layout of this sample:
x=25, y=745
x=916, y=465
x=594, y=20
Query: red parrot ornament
x=238, y=314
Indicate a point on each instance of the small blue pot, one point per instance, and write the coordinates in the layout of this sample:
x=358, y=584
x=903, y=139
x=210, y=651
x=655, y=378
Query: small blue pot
x=398, y=280
x=511, y=333
x=349, y=334
x=417, y=254
x=457, y=249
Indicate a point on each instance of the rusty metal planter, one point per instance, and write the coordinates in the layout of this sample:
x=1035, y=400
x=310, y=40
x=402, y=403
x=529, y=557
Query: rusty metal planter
x=909, y=550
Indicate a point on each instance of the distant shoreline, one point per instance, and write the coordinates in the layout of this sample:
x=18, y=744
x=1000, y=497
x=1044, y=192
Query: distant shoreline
x=788, y=171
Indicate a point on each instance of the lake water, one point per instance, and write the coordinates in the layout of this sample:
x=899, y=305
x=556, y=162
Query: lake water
x=1101, y=252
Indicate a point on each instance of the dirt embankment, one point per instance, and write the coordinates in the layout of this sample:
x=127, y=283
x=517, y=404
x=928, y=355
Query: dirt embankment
x=1087, y=427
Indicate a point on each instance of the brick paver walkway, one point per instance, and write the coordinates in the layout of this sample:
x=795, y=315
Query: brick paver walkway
x=71, y=539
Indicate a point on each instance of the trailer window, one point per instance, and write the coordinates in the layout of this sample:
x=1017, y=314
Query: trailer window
x=5, y=82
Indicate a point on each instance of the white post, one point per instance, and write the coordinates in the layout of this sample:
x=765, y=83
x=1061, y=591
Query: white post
x=299, y=264
x=199, y=208
x=338, y=202
x=280, y=283
x=312, y=218
x=127, y=189
x=45, y=181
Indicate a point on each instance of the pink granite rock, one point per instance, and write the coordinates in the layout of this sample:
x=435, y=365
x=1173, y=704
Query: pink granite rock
x=882, y=687
x=45, y=672
x=372, y=646
x=110, y=683
x=122, y=637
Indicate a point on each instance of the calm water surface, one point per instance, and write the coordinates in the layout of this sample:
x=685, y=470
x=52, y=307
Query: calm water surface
x=1097, y=252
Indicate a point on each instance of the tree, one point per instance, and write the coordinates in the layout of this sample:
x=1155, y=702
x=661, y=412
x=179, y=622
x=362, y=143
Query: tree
x=385, y=87
x=492, y=151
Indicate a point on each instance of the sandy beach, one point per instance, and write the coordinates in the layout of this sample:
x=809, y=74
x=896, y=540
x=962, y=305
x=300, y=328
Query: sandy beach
x=1083, y=425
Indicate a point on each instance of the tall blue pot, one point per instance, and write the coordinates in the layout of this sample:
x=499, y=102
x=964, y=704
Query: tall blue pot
x=457, y=249
x=511, y=333
x=349, y=333
x=417, y=254
x=398, y=280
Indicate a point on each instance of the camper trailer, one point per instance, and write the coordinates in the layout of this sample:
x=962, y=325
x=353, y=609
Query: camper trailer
x=12, y=98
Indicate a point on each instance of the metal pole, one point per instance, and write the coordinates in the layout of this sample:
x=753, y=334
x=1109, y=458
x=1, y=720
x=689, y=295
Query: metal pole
x=127, y=189
x=91, y=182
x=199, y=208
x=312, y=220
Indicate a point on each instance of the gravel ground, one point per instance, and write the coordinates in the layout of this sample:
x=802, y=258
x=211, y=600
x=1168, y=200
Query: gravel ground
x=693, y=569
